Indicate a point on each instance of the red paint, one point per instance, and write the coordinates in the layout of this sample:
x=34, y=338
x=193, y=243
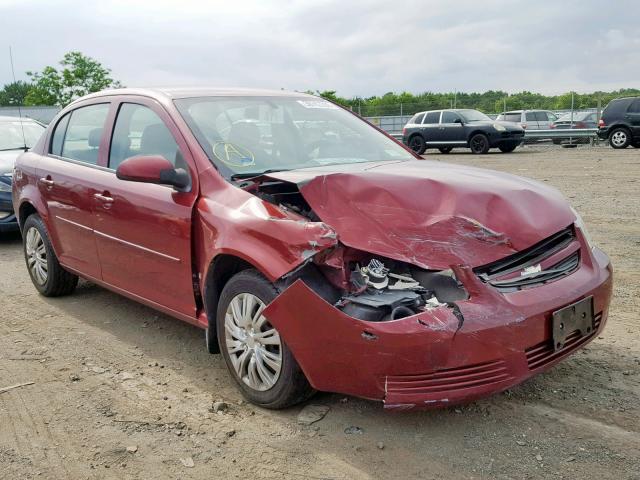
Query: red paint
x=151, y=243
x=143, y=168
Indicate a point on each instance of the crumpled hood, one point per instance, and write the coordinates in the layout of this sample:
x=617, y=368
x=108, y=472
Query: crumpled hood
x=8, y=159
x=432, y=214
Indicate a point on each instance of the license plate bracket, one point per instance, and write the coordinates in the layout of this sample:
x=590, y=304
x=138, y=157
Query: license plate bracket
x=575, y=317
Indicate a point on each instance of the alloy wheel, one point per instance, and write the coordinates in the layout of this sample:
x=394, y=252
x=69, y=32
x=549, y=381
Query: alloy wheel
x=36, y=252
x=253, y=345
x=619, y=138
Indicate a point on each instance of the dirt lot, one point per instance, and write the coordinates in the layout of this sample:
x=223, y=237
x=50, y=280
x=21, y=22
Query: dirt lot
x=110, y=374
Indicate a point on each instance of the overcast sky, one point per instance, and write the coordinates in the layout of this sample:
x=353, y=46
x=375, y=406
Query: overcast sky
x=355, y=47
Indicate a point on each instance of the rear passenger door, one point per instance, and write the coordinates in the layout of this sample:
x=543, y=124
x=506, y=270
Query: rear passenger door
x=67, y=177
x=531, y=121
x=431, y=127
x=633, y=117
x=545, y=119
x=143, y=230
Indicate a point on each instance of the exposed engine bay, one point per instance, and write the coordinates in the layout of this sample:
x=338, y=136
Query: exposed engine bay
x=365, y=286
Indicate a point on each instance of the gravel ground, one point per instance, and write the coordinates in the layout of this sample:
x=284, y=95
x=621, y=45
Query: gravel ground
x=121, y=391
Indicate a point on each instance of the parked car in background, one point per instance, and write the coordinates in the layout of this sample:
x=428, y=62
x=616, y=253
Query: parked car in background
x=315, y=251
x=448, y=129
x=530, y=119
x=575, y=121
x=16, y=136
x=620, y=122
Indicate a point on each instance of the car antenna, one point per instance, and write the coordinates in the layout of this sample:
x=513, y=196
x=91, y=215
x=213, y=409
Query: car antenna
x=13, y=72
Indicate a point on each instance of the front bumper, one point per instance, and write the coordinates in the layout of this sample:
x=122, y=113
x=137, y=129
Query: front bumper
x=8, y=223
x=509, y=137
x=434, y=359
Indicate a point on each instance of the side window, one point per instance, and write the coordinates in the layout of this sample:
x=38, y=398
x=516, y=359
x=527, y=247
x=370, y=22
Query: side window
x=542, y=117
x=531, y=117
x=449, y=117
x=418, y=118
x=58, y=135
x=512, y=117
x=634, y=107
x=84, y=131
x=551, y=117
x=140, y=131
x=432, y=117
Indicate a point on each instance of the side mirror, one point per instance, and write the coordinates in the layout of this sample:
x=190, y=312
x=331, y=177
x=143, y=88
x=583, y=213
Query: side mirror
x=458, y=120
x=153, y=169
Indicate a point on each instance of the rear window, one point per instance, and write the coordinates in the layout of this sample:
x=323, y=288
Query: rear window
x=417, y=119
x=432, y=117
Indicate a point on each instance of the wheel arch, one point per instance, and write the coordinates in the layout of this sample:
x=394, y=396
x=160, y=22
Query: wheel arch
x=220, y=270
x=25, y=210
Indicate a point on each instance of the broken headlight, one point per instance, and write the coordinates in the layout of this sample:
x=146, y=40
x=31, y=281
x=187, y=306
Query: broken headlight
x=382, y=292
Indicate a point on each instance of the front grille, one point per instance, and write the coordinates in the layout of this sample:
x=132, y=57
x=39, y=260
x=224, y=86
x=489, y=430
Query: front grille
x=509, y=274
x=471, y=376
x=543, y=353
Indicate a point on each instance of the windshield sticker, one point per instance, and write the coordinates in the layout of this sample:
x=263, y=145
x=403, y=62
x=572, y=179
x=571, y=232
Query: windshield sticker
x=233, y=155
x=317, y=104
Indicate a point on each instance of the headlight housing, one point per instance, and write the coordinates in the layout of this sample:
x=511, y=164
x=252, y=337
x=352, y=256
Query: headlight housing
x=579, y=223
x=499, y=127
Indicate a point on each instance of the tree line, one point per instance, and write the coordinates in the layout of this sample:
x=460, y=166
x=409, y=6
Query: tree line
x=492, y=101
x=79, y=75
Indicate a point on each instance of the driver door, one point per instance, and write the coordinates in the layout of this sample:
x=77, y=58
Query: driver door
x=142, y=230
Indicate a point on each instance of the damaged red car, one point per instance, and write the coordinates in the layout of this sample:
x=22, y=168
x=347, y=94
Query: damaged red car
x=315, y=251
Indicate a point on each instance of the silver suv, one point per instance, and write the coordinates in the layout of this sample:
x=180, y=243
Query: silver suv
x=530, y=119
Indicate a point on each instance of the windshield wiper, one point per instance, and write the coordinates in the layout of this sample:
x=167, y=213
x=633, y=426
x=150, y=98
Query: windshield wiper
x=244, y=175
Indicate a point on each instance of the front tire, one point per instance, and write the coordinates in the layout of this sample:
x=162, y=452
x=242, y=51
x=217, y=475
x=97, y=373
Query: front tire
x=619, y=138
x=417, y=144
x=46, y=273
x=479, y=143
x=259, y=361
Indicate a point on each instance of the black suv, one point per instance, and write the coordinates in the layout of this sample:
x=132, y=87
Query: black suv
x=620, y=122
x=446, y=129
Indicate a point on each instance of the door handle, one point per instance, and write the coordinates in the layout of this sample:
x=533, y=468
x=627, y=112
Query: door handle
x=103, y=198
x=47, y=182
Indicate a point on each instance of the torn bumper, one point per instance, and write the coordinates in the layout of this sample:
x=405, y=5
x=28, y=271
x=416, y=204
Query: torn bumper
x=429, y=360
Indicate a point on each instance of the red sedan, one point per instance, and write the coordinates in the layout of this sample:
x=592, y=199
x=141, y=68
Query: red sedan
x=315, y=251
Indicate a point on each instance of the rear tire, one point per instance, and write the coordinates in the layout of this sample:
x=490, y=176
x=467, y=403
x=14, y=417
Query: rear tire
x=479, y=143
x=445, y=150
x=263, y=366
x=507, y=148
x=619, y=138
x=46, y=273
x=417, y=144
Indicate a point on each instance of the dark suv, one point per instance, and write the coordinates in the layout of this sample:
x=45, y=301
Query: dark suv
x=620, y=122
x=447, y=129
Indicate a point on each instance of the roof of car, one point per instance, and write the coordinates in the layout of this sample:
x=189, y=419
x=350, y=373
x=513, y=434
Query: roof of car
x=521, y=111
x=445, y=110
x=192, y=92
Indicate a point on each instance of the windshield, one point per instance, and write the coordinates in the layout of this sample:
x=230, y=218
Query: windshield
x=11, y=134
x=474, y=116
x=246, y=135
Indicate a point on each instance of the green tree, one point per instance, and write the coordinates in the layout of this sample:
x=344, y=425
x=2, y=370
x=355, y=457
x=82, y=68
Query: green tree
x=79, y=75
x=14, y=93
